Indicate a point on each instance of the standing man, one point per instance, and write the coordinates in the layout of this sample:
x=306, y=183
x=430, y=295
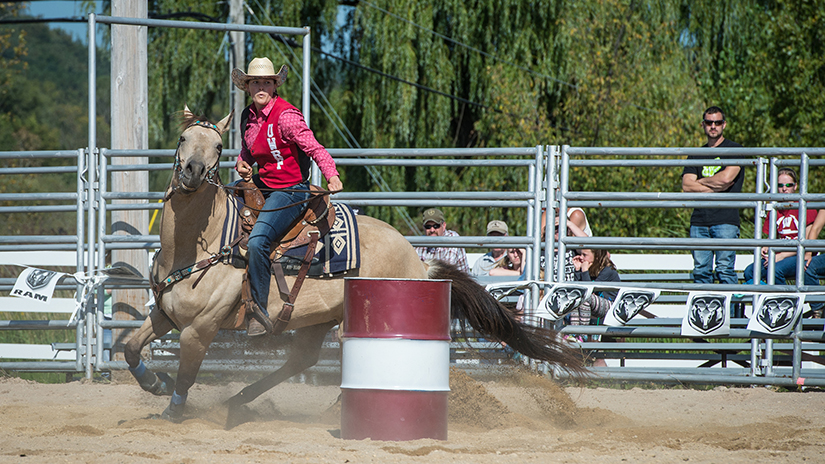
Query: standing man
x=435, y=226
x=483, y=265
x=714, y=222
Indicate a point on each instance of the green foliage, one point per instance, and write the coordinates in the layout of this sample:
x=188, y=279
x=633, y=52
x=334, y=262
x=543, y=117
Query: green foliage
x=44, y=106
x=186, y=66
x=606, y=73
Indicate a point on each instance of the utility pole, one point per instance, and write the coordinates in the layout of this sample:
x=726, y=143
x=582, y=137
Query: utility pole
x=237, y=60
x=130, y=127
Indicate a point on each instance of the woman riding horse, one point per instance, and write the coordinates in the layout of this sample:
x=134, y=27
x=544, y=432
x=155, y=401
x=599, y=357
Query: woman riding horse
x=274, y=135
x=200, y=303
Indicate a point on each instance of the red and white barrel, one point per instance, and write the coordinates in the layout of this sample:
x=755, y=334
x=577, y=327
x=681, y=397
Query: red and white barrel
x=395, y=365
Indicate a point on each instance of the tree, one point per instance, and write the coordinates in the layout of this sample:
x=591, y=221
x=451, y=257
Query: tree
x=44, y=106
x=448, y=73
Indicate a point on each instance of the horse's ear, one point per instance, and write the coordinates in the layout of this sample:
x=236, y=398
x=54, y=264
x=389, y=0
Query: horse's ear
x=223, y=125
x=187, y=113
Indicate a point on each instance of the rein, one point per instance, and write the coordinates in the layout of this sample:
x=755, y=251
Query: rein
x=212, y=174
x=312, y=193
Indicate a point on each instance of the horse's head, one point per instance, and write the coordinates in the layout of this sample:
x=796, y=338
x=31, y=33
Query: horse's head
x=198, y=153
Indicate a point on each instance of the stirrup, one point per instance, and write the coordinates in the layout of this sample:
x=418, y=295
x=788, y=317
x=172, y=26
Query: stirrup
x=257, y=315
x=254, y=328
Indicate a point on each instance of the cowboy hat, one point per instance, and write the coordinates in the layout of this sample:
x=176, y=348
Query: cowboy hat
x=259, y=68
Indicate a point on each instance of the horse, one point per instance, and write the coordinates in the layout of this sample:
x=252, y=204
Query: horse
x=199, y=304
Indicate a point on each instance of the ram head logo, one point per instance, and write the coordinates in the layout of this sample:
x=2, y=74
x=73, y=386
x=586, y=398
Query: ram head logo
x=707, y=313
x=630, y=304
x=39, y=278
x=777, y=312
x=565, y=299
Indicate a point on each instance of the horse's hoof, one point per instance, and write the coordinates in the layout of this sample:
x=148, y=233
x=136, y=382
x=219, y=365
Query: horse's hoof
x=167, y=386
x=235, y=402
x=237, y=416
x=173, y=413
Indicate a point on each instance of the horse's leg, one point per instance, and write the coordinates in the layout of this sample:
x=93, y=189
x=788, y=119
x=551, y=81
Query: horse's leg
x=155, y=326
x=304, y=354
x=193, y=344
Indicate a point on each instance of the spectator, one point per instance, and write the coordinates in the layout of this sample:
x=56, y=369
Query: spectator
x=594, y=266
x=578, y=225
x=487, y=262
x=512, y=264
x=815, y=266
x=569, y=255
x=787, y=227
x=436, y=226
x=714, y=222
x=574, y=215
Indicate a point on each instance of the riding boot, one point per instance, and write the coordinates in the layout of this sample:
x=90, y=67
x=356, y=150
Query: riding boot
x=258, y=322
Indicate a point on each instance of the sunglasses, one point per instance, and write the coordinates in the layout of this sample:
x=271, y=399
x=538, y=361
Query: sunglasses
x=432, y=226
x=790, y=184
x=709, y=122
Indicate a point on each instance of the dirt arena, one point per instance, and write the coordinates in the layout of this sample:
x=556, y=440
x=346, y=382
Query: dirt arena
x=518, y=419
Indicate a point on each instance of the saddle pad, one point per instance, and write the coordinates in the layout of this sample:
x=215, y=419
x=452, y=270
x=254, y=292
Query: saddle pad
x=231, y=231
x=339, y=250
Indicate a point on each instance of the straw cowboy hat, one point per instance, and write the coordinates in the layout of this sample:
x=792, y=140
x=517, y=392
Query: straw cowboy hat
x=259, y=68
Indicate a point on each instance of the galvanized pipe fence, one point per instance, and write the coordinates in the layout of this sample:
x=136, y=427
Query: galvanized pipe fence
x=766, y=161
x=547, y=170
x=538, y=163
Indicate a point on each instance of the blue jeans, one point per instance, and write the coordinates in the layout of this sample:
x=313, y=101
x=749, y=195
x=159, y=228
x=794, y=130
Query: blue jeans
x=271, y=226
x=703, y=259
x=813, y=274
x=783, y=270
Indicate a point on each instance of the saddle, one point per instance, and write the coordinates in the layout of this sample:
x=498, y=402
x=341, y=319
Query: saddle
x=316, y=222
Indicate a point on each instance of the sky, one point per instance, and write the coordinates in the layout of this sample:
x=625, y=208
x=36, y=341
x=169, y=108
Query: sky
x=63, y=9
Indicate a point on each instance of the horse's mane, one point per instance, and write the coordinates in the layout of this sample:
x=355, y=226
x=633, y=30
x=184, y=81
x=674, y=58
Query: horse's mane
x=186, y=121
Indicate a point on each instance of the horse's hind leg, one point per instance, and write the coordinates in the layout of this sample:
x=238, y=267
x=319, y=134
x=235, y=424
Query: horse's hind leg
x=155, y=326
x=304, y=353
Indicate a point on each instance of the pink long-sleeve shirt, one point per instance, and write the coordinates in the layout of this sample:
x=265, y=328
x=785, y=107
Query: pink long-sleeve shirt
x=292, y=129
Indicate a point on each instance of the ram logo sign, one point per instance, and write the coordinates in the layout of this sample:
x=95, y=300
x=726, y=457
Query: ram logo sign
x=776, y=314
x=707, y=315
x=36, y=284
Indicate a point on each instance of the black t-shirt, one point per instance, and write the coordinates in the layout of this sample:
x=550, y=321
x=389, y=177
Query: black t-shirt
x=706, y=217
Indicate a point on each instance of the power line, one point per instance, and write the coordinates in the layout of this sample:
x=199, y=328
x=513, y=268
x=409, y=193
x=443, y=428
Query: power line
x=559, y=81
x=451, y=40
x=371, y=170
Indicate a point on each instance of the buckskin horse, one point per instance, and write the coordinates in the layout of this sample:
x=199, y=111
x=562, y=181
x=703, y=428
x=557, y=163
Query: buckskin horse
x=199, y=304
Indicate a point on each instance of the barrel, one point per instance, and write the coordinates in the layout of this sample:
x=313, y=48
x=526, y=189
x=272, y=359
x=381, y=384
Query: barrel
x=395, y=365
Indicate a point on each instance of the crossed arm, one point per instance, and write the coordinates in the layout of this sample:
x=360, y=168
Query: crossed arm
x=718, y=182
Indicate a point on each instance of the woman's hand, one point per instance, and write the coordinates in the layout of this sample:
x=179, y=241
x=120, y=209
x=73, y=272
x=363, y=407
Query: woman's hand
x=578, y=261
x=334, y=184
x=244, y=169
x=581, y=264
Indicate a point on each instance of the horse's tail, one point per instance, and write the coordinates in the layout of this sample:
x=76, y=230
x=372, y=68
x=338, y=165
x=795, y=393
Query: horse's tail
x=472, y=304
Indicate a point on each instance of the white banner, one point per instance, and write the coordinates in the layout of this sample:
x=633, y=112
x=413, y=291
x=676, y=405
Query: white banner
x=708, y=314
x=36, y=284
x=561, y=299
x=628, y=303
x=776, y=313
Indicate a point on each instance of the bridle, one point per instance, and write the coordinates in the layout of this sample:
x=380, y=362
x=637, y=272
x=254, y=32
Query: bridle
x=211, y=174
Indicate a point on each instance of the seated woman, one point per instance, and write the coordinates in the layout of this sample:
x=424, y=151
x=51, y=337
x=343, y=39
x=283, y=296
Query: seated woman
x=512, y=264
x=787, y=227
x=594, y=266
